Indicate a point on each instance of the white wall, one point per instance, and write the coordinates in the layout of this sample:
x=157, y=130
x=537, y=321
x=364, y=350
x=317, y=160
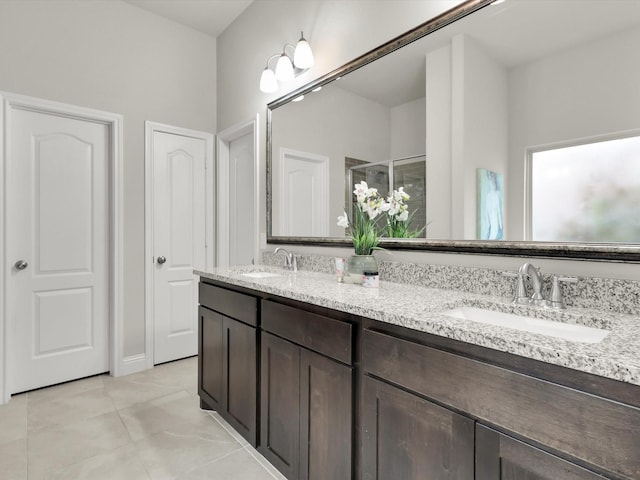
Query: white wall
x=467, y=130
x=439, y=139
x=408, y=129
x=485, y=130
x=109, y=55
x=339, y=31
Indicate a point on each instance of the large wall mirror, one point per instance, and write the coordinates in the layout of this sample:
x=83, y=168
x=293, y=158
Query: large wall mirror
x=515, y=129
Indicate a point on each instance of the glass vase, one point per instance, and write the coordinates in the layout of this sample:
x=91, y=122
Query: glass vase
x=358, y=264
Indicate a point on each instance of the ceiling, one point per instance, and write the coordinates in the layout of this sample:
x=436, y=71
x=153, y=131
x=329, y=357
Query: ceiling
x=513, y=33
x=211, y=17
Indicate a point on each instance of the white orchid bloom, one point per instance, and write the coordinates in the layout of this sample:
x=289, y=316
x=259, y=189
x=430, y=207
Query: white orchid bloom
x=403, y=216
x=373, y=207
x=343, y=221
x=361, y=191
x=366, y=208
x=400, y=195
x=394, y=207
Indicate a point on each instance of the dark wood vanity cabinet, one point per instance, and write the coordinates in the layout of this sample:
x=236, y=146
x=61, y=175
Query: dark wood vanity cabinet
x=228, y=346
x=502, y=457
x=327, y=395
x=210, y=355
x=408, y=437
x=306, y=426
x=540, y=430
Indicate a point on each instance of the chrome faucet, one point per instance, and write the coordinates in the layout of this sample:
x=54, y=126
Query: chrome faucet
x=555, y=301
x=533, y=273
x=290, y=260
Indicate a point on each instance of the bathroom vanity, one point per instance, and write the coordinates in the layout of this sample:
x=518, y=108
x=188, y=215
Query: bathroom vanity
x=335, y=381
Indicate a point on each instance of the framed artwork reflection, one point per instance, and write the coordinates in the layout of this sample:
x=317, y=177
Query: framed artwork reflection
x=490, y=218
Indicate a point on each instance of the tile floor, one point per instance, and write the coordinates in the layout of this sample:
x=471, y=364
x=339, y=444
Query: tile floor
x=144, y=426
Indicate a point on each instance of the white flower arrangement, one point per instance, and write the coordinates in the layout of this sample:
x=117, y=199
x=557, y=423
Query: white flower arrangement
x=365, y=230
x=398, y=216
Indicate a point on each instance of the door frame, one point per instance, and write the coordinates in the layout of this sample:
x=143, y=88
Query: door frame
x=223, y=141
x=9, y=102
x=149, y=129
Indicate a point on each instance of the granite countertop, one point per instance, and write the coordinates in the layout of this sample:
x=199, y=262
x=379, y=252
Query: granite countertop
x=421, y=308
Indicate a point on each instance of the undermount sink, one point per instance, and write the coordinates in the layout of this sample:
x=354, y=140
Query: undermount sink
x=260, y=274
x=567, y=331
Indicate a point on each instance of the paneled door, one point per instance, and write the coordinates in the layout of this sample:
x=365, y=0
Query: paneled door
x=179, y=240
x=57, y=248
x=304, y=180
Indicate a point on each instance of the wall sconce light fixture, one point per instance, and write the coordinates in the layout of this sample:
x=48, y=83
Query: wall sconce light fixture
x=287, y=67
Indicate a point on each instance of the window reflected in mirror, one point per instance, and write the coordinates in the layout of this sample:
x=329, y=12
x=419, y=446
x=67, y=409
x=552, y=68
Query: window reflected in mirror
x=587, y=192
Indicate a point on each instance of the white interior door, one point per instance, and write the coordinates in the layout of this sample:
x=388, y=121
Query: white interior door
x=179, y=241
x=305, y=194
x=241, y=201
x=239, y=194
x=58, y=243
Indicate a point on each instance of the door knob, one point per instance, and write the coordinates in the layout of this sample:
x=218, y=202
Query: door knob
x=21, y=265
x=161, y=260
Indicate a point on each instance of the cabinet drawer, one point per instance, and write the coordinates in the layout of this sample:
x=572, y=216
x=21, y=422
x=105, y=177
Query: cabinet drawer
x=322, y=334
x=600, y=432
x=232, y=304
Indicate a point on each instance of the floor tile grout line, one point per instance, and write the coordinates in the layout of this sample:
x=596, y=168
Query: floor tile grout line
x=247, y=446
x=93, y=415
x=228, y=428
x=180, y=387
x=252, y=451
x=189, y=472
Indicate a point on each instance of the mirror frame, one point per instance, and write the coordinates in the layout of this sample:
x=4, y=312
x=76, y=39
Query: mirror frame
x=606, y=252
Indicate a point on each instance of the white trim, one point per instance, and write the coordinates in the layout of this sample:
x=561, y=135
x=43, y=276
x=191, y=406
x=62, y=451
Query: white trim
x=5, y=395
x=150, y=128
x=134, y=364
x=223, y=140
x=114, y=121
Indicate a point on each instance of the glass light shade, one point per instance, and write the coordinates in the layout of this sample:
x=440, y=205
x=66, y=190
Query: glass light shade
x=303, y=56
x=268, y=82
x=284, y=69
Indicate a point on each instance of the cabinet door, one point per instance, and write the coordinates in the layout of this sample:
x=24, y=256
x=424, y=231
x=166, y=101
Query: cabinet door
x=499, y=457
x=240, y=378
x=210, y=358
x=406, y=437
x=280, y=404
x=325, y=418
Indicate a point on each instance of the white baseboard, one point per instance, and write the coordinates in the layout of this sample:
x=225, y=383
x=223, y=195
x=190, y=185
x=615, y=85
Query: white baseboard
x=134, y=364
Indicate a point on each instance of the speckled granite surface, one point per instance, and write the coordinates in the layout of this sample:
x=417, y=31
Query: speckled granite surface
x=618, y=296
x=421, y=308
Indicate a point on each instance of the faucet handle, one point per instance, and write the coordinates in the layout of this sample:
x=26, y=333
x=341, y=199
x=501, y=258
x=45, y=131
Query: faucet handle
x=555, y=297
x=520, y=295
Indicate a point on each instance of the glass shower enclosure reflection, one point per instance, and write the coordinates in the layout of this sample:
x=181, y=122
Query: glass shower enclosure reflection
x=388, y=175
